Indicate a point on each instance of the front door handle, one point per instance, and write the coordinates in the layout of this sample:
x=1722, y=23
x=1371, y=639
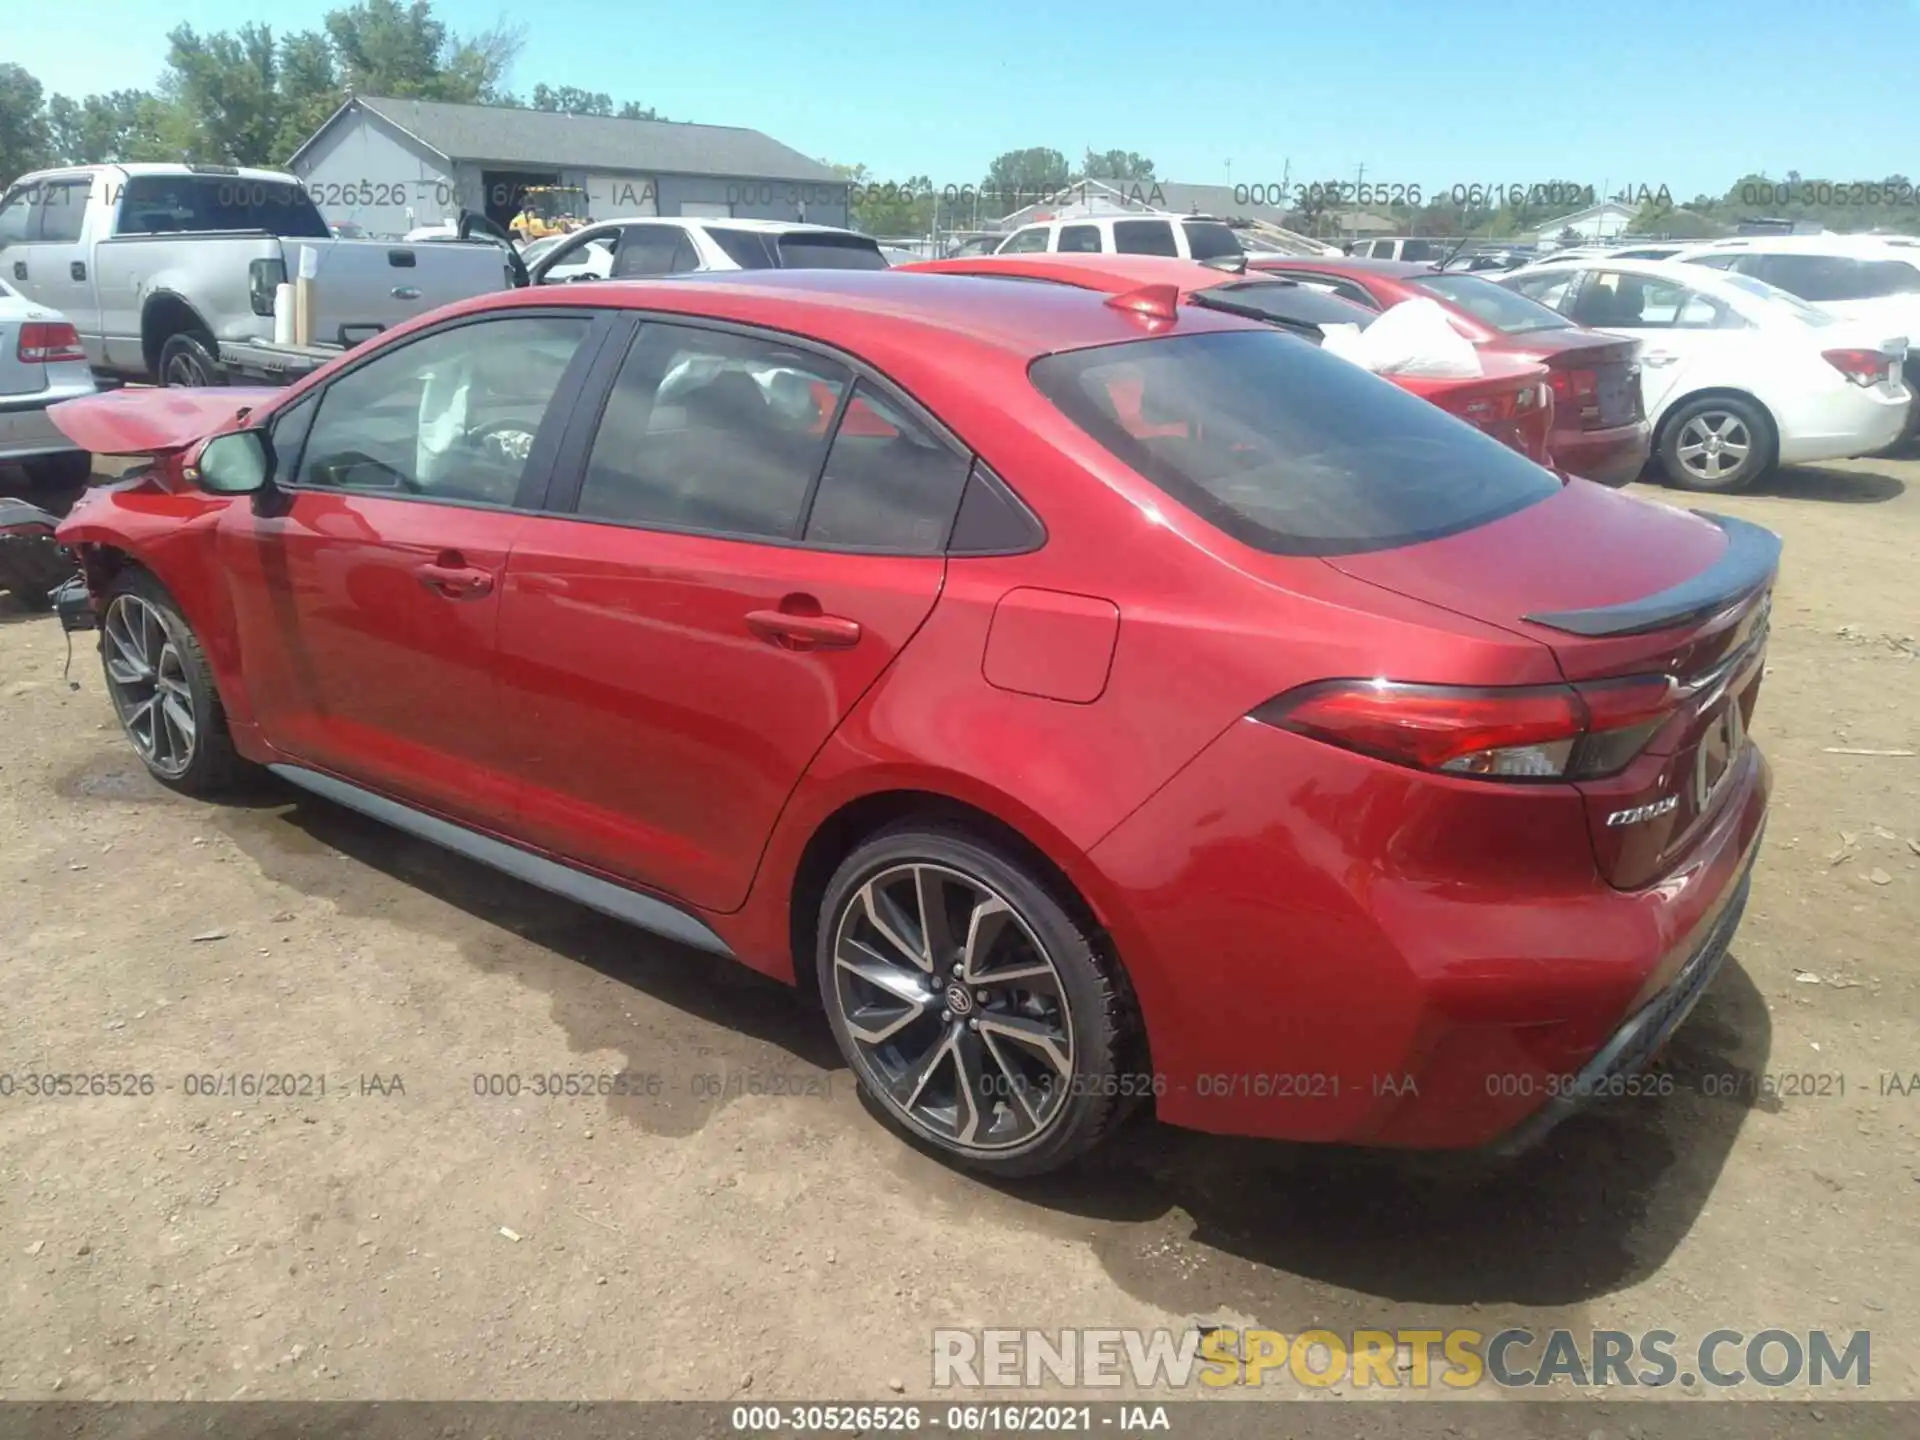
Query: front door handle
x=803, y=632
x=456, y=580
x=19, y=269
x=78, y=269
x=1658, y=357
x=405, y=292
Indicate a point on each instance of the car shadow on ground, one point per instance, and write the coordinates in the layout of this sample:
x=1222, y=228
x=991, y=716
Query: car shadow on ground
x=1835, y=487
x=1599, y=1205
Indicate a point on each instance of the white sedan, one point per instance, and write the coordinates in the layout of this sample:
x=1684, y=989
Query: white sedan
x=41, y=363
x=1737, y=375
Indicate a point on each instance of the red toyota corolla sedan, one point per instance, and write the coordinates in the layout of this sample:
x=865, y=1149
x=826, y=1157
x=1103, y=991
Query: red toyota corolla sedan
x=1600, y=422
x=1511, y=401
x=1092, y=707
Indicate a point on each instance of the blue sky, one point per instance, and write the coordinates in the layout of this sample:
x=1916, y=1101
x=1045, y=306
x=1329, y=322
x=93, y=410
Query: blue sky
x=1688, y=94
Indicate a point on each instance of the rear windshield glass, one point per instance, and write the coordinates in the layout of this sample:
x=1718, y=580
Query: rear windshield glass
x=830, y=252
x=1285, y=302
x=1209, y=240
x=1492, y=304
x=193, y=204
x=1285, y=447
x=1839, y=277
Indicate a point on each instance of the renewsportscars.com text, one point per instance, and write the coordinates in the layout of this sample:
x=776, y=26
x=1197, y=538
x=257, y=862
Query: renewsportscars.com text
x=1455, y=1359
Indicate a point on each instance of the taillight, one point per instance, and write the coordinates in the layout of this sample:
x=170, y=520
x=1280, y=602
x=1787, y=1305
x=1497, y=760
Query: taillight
x=1530, y=732
x=1865, y=368
x=1579, y=389
x=49, y=342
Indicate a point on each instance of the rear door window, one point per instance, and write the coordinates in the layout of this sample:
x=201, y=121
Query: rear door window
x=711, y=431
x=1030, y=241
x=890, y=483
x=824, y=250
x=1080, y=239
x=1286, y=448
x=749, y=249
x=1144, y=237
x=654, y=250
x=1822, y=278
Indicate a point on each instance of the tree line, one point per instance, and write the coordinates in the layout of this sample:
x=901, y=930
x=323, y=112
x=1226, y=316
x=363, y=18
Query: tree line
x=251, y=96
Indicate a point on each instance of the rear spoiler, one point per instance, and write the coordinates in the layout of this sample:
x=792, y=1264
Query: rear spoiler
x=1745, y=566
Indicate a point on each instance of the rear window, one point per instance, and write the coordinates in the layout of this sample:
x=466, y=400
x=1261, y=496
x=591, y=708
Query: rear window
x=1786, y=299
x=1492, y=304
x=803, y=251
x=1837, y=277
x=1210, y=240
x=1284, y=302
x=1419, y=250
x=1286, y=448
x=195, y=204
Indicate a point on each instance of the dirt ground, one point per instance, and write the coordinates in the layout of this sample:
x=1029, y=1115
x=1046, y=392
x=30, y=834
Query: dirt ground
x=402, y=1236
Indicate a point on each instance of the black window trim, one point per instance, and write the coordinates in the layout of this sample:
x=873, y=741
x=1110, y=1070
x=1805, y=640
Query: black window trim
x=596, y=389
x=536, y=481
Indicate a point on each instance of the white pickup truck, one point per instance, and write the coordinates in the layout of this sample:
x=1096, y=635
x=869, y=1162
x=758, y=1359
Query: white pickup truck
x=158, y=265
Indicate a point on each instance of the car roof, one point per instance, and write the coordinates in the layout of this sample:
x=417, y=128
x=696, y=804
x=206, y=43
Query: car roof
x=704, y=222
x=134, y=168
x=1856, y=246
x=1112, y=274
x=895, y=318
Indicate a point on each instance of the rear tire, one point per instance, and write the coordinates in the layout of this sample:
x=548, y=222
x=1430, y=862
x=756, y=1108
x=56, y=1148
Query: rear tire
x=189, y=360
x=1717, y=444
x=162, y=688
x=997, y=1032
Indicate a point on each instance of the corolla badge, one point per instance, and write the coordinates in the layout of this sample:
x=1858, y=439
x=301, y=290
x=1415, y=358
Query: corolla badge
x=1644, y=812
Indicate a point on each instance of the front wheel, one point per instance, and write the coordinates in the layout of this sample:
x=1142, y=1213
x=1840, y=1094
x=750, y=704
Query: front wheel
x=975, y=1010
x=1717, y=444
x=162, y=687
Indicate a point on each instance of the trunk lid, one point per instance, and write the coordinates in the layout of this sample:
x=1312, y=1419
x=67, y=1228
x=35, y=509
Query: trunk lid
x=1595, y=378
x=154, y=421
x=1615, y=586
x=1509, y=400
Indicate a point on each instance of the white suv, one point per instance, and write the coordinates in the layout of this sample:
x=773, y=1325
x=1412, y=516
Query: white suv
x=681, y=245
x=1189, y=237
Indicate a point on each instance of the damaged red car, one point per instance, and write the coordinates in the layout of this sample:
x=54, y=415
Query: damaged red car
x=1096, y=706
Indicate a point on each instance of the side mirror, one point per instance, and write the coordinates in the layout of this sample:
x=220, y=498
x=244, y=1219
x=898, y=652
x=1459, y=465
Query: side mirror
x=236, y=464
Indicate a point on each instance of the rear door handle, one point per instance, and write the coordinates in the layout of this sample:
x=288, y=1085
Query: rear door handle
x=1658, y=357
x=804, y=632
x=78, y=269
x=19, y=269
x=405, y=292
x=456, y=581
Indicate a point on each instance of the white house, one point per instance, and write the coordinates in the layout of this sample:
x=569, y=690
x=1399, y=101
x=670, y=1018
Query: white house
x=1607, y=221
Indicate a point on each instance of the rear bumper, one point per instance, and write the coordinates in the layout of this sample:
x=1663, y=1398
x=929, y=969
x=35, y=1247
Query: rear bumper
x=1839, y=426
x=1330, y=948
x=1613, y=457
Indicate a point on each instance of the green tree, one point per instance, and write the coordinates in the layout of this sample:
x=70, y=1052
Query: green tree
x=25, y=143
x=120, y=125
x=1116, y=165
x=225, y=86
x=1021, y=177
x=570, y=100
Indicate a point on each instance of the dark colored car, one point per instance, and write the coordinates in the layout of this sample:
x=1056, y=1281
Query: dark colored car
x=1098, y=702
x=1600, y=424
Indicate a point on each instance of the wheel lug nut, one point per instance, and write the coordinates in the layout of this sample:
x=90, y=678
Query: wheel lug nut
x=946, y=1014
x=973, y=1024
x=959, y=969
x=983, y=996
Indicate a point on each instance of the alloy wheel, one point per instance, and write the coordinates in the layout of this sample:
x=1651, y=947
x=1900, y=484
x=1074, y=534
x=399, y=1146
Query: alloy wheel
x=147, y=679
x=956, y=1010
x=1714, y=444
x=185, y=370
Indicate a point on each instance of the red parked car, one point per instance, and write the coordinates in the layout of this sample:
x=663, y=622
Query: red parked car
x=1511, y=401
x=1600, y=426
x=1096, y=707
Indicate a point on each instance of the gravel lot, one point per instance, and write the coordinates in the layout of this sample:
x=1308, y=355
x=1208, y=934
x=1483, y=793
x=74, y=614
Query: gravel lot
x=402, y=1236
